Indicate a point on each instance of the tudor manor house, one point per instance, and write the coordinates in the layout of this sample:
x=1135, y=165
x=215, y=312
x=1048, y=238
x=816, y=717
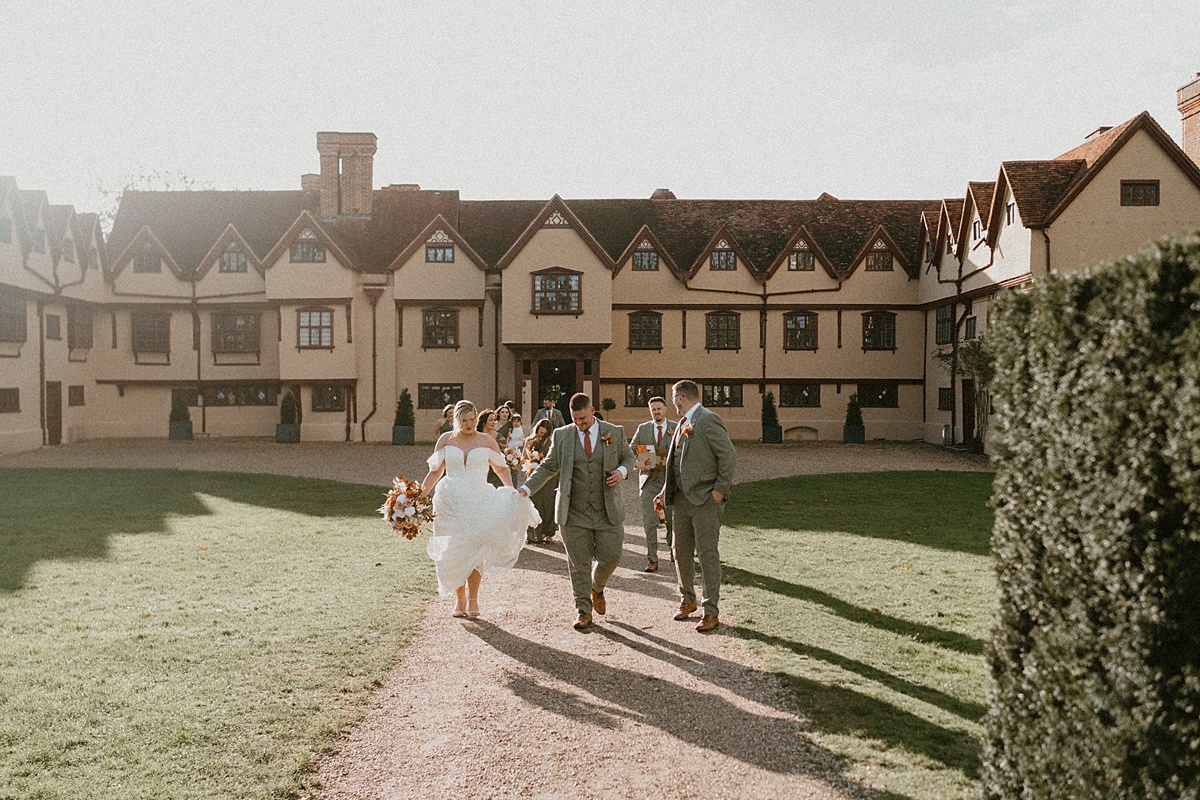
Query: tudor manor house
x=344, y=295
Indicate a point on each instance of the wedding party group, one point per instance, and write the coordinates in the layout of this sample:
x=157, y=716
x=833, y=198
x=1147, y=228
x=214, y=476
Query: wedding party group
x=495, y=489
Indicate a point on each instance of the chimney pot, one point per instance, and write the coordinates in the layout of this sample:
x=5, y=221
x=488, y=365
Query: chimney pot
x=663, y=194
x=346, y=173
x=1188, y=98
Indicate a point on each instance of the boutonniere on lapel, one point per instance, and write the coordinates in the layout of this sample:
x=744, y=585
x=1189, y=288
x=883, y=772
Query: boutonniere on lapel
x=606, y=438
x=687, y=431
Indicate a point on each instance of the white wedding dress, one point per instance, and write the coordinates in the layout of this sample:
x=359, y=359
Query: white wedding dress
x=478, y=526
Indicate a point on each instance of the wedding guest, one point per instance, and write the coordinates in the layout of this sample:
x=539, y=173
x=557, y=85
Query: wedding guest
x=489, y=425
x=654, y=436
x=587, y=460
x=548, y=411
x=503, y=425
x=446, y=423
x=536, y=447
x=700, y=467
x=516, y=439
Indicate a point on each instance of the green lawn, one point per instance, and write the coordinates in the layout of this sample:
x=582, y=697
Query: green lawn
x=871, y=595
x=203, y=635
x=190, y=635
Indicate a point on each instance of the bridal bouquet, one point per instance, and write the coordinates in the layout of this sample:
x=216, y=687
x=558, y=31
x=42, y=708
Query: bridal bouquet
x=408, y=508
x=514, y=458
x=533, y=461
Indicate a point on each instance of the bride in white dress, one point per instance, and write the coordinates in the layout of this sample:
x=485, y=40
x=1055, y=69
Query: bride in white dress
x=477, y=527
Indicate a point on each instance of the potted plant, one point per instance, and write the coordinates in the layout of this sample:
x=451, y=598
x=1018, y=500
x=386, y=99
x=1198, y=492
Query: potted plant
x=607, y=404
x=288, y=430
x=404, y=424
x=854, y=432
x=772, y=431
x=181, y=420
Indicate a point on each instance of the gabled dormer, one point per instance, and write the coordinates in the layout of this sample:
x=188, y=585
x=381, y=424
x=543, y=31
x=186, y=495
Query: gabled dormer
x=555, y=216
x=646, y=254
x=722, y=254
x=880, y=254
x=230, y=255
x=802, y=256
x=438, y=264
x=145, y=255
x=307, y=262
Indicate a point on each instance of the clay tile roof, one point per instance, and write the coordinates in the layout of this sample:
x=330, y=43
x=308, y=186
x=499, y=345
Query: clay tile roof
x=954, y=210
x=397, y=217
x=189, y=223
x=930, y=219
x=1095, y=147
x=981, y=192
x=491, y=226
x=1038, y=186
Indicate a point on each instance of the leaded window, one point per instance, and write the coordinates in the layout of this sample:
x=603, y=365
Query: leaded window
x=639, y=394
x=879, y=331
x=12, y=319
x=557, y=293
x=439, y=327
x=307, y=249
x=800, y=395
x=800, y=331
x=439, y=253
x=151, y=332
x=79, y=327
x=722, y=394
x=944, y=330
x=645, y=260
x=328, y=398
x=438, y=395
x=314, y=327
x=723, y=260
x=233, y=259
x=879, y=261
x=240, y=395
x=723, y=330
x=235, y=333
x=645, y=330
x=878, y=395
x=1139, y=193
x=801, y=262
x=149, y=260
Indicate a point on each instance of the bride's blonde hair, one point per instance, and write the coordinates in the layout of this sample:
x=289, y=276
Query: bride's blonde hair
x=461, y=409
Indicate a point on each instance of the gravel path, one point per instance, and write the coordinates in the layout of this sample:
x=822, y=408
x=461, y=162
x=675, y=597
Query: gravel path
x=519, y=704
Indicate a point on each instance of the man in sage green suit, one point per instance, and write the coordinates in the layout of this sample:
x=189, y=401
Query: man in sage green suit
x=700, y=467
x=590, y=458
x=654, y=434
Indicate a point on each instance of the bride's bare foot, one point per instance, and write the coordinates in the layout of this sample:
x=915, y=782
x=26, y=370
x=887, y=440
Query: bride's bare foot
x=458, y=611
x=473, y=609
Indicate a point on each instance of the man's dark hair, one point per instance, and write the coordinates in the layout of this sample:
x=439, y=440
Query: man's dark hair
x=580, y=401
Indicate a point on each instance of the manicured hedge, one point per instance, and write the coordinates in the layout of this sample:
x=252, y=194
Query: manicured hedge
x=1095, y=659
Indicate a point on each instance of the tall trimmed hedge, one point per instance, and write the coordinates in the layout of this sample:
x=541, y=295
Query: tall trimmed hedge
x=1095, y=659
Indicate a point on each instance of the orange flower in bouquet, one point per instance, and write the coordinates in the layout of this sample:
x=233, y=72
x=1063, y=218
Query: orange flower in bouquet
x=408, y=508
x=514, y=458
x=533, y=461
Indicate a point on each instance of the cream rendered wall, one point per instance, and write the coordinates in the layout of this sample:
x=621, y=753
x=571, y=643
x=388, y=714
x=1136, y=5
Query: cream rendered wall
x=143, y=412
x=301, y=364
x=880, y=289
x=60, y=367
x=118, y=363
x=162, y=284
x=419, y=285
x=1095, y=227
x=740, y=279
x=250, y=284
x=286, y=280
x=557, y=247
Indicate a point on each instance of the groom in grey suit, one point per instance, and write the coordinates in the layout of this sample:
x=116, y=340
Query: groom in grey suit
x=700, y=466
x=590, y=458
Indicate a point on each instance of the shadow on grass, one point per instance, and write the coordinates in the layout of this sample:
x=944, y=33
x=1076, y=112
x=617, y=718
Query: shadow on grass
x=943, y=510
x=768, y=742
x=972, y=712
x=919, y=631
x=69, y=515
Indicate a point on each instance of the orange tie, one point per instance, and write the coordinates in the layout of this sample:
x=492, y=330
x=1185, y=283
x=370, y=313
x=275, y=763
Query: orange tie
x=587, y=443
x=659, y=442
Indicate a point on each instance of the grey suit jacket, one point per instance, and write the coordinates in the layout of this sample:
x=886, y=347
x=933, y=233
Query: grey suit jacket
x=554, y=415
x=645, y=435
x=560, y=461
x=707, y=460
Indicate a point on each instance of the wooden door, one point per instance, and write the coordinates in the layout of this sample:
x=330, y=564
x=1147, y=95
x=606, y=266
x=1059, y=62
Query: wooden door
x=53, y=412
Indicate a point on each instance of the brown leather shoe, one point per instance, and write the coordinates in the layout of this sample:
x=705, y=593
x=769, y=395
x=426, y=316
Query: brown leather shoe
x=598, y=604
x=685, y=611
x=651, y=567
x=707, y=624
x=583, y=621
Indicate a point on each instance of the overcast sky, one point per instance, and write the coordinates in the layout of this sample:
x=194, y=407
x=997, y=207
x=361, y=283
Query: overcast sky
x=757, y=99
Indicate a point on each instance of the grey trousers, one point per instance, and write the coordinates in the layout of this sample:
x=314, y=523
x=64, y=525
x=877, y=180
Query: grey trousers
x=650, y=523
x=592, y=557
x=698, y=531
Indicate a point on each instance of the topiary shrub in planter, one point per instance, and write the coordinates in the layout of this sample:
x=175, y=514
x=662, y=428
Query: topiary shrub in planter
x=181, y=418
x=403, y=427
x=854, y=431
x=1095, y=656
x=287, y=431
x=772, y=431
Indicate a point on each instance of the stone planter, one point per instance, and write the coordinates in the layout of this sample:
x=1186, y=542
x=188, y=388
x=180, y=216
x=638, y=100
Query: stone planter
x=287, y=433
x=854, y=434
x=181, y=429
x=772, y=434
x=402, y=434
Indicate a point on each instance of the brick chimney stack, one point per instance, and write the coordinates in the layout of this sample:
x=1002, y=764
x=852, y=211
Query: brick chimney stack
x=1189, y=108
x=346, y=173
